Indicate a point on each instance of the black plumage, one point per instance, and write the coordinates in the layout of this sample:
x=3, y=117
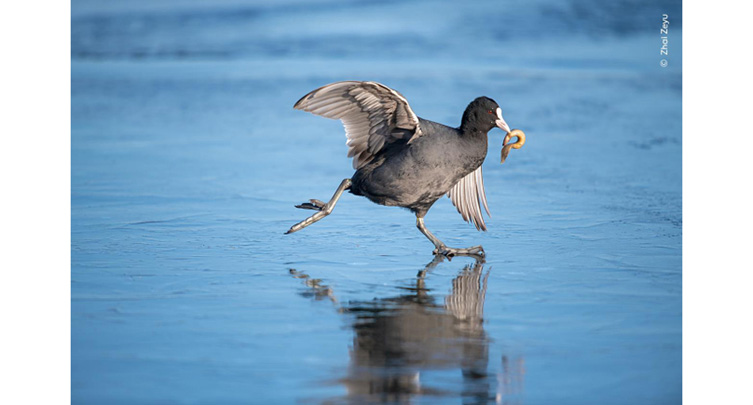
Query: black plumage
x=406, y=161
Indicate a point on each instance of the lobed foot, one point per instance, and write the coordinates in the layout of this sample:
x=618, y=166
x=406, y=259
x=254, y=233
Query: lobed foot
x=322, y=209
x=476, y=251
x=313, y=204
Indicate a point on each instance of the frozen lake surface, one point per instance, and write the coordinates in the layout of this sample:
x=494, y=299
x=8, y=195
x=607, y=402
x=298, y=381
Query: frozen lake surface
x=187, y=159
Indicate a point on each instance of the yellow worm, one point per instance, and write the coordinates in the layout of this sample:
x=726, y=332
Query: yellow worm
x=517, y=145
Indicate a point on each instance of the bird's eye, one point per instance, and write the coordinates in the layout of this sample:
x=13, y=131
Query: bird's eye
x=490, y=112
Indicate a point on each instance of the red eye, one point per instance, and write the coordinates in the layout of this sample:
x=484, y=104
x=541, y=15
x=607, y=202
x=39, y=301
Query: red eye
x=490, y=112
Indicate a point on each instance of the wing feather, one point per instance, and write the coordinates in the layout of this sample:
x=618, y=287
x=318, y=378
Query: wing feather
x=468, y=195
x=373, y=115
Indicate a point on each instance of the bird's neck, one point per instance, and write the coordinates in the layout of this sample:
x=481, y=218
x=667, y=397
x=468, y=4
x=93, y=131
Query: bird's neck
x=476, y=143
x=470, y=132
x=473, y=129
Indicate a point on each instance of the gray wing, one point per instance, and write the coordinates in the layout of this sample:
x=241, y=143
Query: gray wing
x=372, y=113
x=468, y=195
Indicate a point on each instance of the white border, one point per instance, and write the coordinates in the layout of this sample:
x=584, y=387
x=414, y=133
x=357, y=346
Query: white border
x=717, y=203
x=35, y=183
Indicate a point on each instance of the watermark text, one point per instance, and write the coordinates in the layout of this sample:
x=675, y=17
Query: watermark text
x=664, y=34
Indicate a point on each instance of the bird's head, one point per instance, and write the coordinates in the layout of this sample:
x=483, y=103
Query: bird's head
x=483, y=114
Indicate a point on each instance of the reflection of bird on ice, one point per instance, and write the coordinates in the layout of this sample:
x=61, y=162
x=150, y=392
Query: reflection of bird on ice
x=398, y=338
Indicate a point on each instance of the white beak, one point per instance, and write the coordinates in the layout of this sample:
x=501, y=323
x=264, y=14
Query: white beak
x=501, y=121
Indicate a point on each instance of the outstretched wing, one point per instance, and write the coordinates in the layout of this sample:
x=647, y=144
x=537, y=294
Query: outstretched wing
x=468, y=195
x=372, y=113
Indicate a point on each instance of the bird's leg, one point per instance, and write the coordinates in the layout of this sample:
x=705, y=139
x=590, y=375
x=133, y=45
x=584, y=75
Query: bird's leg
x=442, y=249
x=323, y=208
x=421, y=227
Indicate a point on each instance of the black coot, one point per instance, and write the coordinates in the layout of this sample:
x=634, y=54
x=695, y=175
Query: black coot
x=406, y=161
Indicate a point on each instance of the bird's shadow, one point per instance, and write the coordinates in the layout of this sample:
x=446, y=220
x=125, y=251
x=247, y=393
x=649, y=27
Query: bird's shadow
x=397, y=338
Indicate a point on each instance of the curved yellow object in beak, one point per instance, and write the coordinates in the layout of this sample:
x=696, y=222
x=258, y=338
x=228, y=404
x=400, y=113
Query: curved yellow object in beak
x=517, y=145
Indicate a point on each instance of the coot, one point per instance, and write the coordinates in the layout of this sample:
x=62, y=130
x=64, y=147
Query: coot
x=406, y=161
